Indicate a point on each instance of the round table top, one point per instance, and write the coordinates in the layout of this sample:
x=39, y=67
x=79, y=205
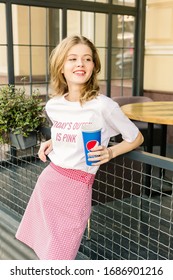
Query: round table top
x=152, y=112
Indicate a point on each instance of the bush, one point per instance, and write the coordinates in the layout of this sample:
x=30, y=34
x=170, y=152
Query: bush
x=19, y=113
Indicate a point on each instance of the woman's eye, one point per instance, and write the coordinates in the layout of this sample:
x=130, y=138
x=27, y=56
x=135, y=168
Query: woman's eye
x=72, y=59
x=88, y=59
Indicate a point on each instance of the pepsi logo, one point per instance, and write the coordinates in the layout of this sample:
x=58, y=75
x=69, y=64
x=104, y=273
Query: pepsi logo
x=91, y=144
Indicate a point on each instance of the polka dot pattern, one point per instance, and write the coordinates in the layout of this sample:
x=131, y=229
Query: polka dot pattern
x=57, y=213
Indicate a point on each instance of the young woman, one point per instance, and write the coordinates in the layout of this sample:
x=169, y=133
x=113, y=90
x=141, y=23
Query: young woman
x=59, y=208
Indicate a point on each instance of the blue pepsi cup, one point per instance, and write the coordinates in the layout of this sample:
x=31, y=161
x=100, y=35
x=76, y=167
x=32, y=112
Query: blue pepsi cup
x=91, y=138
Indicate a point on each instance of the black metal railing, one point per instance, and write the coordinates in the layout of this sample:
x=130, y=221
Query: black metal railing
x=125, y=222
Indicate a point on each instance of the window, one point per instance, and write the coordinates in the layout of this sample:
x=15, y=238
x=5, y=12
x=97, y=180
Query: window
x=36, y=30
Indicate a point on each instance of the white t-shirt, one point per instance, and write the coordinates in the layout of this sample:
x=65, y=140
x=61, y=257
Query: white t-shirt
x=68, y=117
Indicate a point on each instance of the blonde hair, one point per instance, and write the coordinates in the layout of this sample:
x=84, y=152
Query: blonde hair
x=57, y=59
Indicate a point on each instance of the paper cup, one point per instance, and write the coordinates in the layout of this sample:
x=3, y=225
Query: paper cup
x=91, y=138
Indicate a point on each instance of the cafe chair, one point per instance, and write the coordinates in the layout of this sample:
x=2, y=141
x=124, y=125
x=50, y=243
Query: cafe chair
x=143, y=126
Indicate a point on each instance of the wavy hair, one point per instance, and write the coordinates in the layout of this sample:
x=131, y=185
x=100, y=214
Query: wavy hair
x=57, y=58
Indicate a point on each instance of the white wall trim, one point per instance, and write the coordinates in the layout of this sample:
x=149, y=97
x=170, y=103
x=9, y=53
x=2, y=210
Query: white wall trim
x=159, y=50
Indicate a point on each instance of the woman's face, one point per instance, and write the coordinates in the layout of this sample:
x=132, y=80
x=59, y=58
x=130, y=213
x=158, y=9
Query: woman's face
x=79, y=65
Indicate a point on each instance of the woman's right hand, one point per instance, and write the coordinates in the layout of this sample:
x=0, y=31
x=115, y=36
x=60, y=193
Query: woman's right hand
x=45, y=149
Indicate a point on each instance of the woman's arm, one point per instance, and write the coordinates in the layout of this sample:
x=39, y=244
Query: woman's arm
x=45, y=149
x=104, y=154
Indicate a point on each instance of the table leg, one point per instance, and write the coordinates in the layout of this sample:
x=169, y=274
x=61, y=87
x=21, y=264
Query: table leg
x=163, y=140
x=149, y=150
x=163, y=145
x=150, y=136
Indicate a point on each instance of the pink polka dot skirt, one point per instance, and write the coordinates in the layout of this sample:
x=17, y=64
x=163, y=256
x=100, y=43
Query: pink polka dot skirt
x=57, y=213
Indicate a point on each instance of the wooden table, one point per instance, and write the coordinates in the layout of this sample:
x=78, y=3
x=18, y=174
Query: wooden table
x=153, y=113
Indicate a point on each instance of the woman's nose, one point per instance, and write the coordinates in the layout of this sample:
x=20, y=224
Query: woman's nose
x=79, y=62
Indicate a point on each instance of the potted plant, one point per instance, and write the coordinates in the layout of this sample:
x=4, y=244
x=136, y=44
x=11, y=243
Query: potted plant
x=20, y=117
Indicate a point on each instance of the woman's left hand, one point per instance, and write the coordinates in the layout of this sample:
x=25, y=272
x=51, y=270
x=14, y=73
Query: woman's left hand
x=100, y=154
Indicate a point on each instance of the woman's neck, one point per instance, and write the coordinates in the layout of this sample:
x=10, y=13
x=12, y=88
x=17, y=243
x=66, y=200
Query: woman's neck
x=73, y=95
x=72, y=98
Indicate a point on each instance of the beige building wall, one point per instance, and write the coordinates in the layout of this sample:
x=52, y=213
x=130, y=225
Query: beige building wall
x=22, y=37
x=36, y=35
x=3, y=41
x=158, y=73
x=22, y=40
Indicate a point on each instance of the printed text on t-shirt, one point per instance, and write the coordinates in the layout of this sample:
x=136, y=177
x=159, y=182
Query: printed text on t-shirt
x=67, y=137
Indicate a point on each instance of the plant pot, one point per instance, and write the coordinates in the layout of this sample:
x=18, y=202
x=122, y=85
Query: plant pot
x=21, y=143
x=46, y=132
